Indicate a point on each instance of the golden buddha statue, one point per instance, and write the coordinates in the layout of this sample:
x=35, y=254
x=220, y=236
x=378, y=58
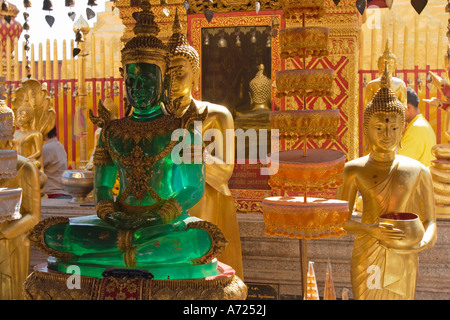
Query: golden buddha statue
x=388, y=184
x=396, y=84
x=260, y=90
x=216, y=205
x=14, y=244
x=27, y=141
x=35, y=117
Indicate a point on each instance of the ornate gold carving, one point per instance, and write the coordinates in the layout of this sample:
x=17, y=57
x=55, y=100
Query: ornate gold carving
x=37, y=239
x=307, y=82
x=170, y=210
x=102, y=157
x=311, y=124
x=43, y=285
x=311, y=40
x=145, y=47
x=198, y=6
x=104, y=207
x=218, y=240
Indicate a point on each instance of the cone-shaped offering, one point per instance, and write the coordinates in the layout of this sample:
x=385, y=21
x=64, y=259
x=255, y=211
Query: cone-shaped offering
x=329, y=293
x=311, y=285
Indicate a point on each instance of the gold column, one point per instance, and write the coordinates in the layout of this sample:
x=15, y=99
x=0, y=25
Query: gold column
x=82, y=25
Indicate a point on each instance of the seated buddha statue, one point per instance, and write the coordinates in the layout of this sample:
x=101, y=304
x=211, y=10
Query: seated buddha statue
x=216, y=205
x=396, y=84
x=147, y=226
x=257, y=116
x=388, y=183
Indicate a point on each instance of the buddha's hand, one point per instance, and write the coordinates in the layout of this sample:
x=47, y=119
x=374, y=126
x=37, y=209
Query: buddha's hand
x=170, y=210
x=125, y=221
x=385, y=231
x=438, y=103
x=107, y=211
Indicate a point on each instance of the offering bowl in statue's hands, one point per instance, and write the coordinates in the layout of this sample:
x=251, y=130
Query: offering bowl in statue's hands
x=409, y=223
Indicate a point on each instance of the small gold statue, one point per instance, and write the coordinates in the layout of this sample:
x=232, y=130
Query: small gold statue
x=14, y=244
x=388, y=184
x=35, y=117
x=217, y=205
x=396, y=84
x=260, y=90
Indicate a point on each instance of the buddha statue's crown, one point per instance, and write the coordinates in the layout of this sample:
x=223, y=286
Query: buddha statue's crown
x=179, y=46
x=384, y=101
x=387, y=54
x=145, y=46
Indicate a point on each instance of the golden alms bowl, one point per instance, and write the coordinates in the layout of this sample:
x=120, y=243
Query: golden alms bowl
x=409, y=223
x=78, y=183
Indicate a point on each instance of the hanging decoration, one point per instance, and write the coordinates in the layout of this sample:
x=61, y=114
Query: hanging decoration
x=5, y=8
x=26, y=46
x=26, y=4
x=48, y=6
x=275, y=25
x=165, y=10
x=257, y=6
x=89, y=12
x=419, y=5
x=186, y=6
x=209, y=14
x=389, y=3
x=78, y=38
x=361, y=6
x=71, y=14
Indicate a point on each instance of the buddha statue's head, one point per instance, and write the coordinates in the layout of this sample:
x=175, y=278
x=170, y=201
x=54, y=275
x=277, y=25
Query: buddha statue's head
x=184, y=63
x=25, y=116
x=144, y=60
x=387, y=58
x=260, y=89
x=384, y=119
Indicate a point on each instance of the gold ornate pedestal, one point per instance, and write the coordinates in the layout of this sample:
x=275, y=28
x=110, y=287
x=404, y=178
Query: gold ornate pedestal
x=44, y=284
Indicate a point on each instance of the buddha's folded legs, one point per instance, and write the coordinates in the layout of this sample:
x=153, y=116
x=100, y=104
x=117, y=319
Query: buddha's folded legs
x=90, y=240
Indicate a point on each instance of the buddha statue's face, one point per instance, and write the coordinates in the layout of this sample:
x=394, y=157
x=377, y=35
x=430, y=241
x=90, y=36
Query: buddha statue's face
x=143, y=83
x=23, y=118
x=384, y=132
x=182, y=77
x=391, y=65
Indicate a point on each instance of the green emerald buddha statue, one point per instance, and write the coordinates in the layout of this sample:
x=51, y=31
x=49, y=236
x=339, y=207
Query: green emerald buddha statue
x=147, y=226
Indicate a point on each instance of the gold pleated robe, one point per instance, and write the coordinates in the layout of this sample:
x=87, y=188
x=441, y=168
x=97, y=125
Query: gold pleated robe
x=377, y=272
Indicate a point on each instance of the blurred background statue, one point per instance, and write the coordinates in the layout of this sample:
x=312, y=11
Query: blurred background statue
x=35, y=117
x=389, y=60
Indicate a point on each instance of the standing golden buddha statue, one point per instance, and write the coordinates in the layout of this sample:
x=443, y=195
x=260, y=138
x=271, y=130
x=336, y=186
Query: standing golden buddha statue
x=384, y=259
x=396, y=84
x=216, y=205
x=14, y=244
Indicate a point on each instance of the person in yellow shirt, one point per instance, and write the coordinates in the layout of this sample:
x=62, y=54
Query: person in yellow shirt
x=419, y=137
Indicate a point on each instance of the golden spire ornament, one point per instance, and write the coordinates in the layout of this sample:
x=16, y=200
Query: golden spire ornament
x=330, y=292
x=312, y=293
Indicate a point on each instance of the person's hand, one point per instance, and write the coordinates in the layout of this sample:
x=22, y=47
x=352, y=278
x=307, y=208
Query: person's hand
x=385, y=231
